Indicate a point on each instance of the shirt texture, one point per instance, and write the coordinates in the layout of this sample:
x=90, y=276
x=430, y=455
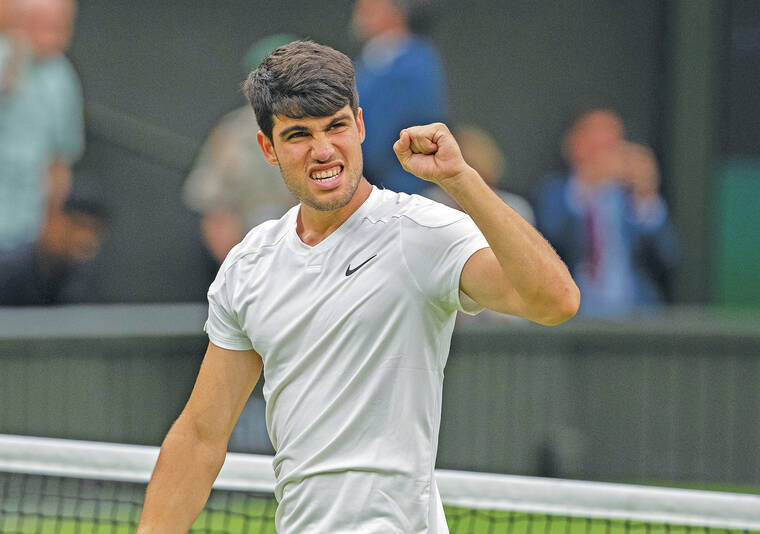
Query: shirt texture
x=354, y=334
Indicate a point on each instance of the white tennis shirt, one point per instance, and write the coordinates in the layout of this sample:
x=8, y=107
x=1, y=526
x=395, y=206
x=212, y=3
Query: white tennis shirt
x=354, y=334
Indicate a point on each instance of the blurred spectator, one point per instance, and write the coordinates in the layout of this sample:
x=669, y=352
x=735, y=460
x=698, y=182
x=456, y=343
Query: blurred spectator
x=232, y=185
x=48, y=270
x=234, y=188
x=607, y=220
x=483, y=154
x=4, y=5
x=41, y=125
x=400, y=80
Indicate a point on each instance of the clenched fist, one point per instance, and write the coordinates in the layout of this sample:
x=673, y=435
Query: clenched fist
x=430, y=152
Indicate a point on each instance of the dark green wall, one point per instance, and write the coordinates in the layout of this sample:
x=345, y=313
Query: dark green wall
x=672, y=397
x=157, y=75
x=735, y=244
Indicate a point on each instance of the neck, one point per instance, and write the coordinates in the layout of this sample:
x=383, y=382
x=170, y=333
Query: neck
x=313, y=225
x=590, y=179
x=395, y=33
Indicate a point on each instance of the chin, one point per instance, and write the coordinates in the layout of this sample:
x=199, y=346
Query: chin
x=329, y=205
x=336, y=199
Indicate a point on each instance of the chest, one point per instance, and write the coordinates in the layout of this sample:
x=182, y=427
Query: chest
x=316, y=302
x=28, y=118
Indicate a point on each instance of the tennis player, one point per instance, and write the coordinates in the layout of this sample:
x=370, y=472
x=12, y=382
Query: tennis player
x=348, y=304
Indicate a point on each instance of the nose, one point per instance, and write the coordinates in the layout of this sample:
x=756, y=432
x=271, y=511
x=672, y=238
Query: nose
x=322, y=149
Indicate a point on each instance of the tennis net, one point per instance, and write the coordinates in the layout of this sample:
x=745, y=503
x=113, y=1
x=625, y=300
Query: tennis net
x=63, y=486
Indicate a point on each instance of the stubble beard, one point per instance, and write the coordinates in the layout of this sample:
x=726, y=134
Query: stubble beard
x=301, y=192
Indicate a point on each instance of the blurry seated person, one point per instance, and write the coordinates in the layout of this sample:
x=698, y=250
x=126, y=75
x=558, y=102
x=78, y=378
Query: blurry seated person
x=607, y=220
x=46, y=272
x=234, y=189
x=401, y=82
x=232, y=186
x=483, y=154
x=41, y=124
x=4, y=15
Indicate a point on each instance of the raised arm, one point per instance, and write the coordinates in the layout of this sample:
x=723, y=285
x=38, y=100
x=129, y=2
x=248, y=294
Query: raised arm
x=520, y=274
x=194, y=449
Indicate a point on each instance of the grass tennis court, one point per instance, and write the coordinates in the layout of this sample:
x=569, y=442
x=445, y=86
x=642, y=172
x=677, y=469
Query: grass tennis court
x=239, y=521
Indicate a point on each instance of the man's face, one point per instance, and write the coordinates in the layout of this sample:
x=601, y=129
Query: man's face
x=47, y=26
x=595, y=144
x=320, y=158
x=374, y=17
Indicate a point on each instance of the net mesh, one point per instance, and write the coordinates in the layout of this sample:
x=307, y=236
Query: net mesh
x=58, y=486
x=52, y=504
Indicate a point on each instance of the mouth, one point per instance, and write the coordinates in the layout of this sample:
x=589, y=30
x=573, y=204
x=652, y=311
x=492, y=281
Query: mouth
x=327, y=178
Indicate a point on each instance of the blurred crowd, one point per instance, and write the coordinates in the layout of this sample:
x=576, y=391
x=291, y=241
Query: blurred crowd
x=48, y=226
x=603, y=212
x=606, y=219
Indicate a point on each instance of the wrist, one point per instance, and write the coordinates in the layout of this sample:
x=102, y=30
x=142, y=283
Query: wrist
x=459, y=181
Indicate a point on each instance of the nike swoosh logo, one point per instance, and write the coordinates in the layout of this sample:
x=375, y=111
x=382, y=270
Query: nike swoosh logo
x=350, y=271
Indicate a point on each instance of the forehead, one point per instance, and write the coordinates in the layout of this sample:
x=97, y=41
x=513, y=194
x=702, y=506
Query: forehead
x=600, y=121
x=59, y=12
x=282, y=122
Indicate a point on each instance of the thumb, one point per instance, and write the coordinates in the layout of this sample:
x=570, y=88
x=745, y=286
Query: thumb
x=402, y=147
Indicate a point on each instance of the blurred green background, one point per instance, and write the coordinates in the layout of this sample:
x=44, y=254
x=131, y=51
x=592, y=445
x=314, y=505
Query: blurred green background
x=673, y=397
x=683, y=74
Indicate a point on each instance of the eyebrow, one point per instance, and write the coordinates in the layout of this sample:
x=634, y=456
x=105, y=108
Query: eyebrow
x=339, y=118
x=300, y=128
x=292, y=129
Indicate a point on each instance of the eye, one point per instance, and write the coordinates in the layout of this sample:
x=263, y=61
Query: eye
x=296, y=134
x=337, y=125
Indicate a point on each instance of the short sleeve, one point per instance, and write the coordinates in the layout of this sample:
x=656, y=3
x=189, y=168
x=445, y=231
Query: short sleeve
x=435, y=247
x=222, y=325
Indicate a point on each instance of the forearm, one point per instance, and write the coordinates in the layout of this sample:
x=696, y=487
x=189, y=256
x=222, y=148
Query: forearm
x=59, y=182
x=529, y=264
x=521, y=274
x=181, y=481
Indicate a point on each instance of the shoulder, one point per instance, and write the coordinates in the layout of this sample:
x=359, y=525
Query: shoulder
x=420, y=57
x=414, y=210
x=59, y=78
x=551, y=189
x=241, y=117
x=233, y=129
x=551, y=201
x=260, y=240
x=59, y=68
x=553, y=182
x=422, y=48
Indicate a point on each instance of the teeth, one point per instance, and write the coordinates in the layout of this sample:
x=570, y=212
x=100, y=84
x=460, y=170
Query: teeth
x=325, y=175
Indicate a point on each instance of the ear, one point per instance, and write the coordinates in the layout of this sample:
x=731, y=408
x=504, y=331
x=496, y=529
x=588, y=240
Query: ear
x=267, y=148
x=360, y=123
